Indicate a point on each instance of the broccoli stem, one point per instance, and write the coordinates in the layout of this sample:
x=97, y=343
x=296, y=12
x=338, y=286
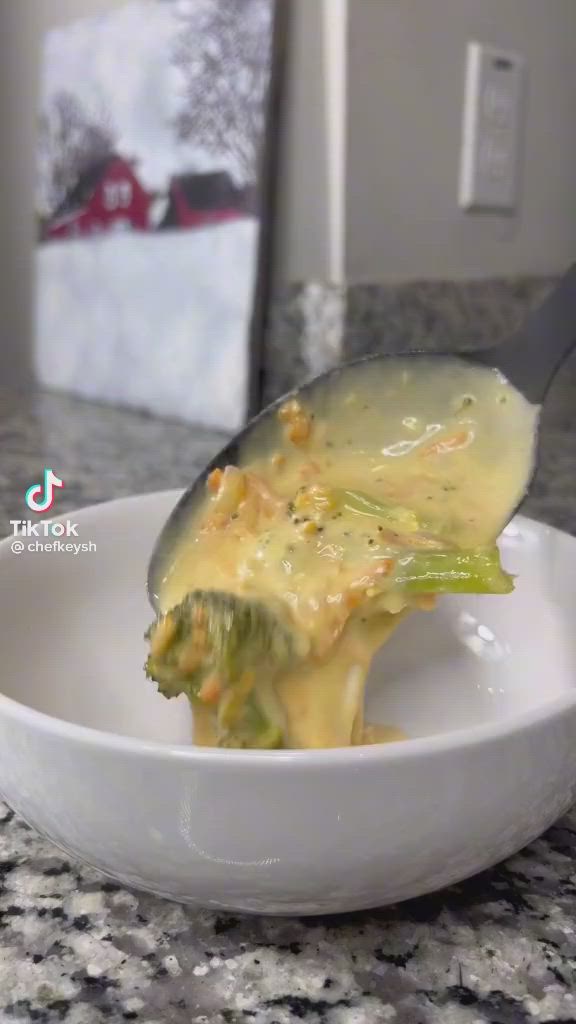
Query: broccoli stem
x=464, y=572
x=398, y=517
x=252, y=728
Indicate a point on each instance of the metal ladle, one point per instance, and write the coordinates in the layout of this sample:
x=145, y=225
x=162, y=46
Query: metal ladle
x=529, y=360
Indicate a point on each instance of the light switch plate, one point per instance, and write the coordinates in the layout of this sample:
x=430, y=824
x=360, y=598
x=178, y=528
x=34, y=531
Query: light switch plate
x=491, y=128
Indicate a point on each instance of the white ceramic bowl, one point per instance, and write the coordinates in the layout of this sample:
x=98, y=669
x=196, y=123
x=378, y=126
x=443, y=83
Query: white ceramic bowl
x=94, y=759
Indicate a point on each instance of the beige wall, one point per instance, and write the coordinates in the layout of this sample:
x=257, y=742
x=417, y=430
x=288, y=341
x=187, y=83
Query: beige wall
x=405, y=91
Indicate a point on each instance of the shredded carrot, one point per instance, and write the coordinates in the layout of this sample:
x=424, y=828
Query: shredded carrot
x=298, y=430
x=384, y=567
x=214, y=522
x=309, y=470
x=248, y=513
x=450, y=444
x=269, y=501
x=162, y=636
x=364, y=585
x=425, y=542
x=298, y=422
x=189, y=659
x=199, y=616
x=210, y=690
x=288, y=412
x=214, y=480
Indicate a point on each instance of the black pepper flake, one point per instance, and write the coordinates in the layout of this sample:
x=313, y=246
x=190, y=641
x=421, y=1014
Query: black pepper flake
x=320, y=529
x=234, y=515
x=290, y=549
x=371, y=540
x=380, y=528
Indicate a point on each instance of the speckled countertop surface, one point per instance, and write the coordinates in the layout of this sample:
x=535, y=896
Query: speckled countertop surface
x=500, y=948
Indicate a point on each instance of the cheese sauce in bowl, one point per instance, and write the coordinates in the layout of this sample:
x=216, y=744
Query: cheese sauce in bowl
x=365, y=497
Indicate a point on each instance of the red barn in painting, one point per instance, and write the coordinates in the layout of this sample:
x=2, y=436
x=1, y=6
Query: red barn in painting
x=197, y=200
x=107, y=197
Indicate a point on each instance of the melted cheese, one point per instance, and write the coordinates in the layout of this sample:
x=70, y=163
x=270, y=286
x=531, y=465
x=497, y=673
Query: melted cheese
x=449, y=441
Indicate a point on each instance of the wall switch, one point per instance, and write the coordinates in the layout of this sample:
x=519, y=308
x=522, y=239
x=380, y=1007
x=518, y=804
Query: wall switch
x=491, y=128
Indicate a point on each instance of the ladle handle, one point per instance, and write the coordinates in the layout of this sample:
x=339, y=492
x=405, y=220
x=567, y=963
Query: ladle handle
x=531, y=357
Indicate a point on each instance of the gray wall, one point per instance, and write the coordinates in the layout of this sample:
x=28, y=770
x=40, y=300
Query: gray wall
x=405, y=91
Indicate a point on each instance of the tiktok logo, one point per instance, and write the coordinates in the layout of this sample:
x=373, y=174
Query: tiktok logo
x=40, y=497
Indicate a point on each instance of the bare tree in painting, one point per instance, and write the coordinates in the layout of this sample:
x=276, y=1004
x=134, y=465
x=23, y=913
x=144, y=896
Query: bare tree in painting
x=223, y=57
x=70, y=141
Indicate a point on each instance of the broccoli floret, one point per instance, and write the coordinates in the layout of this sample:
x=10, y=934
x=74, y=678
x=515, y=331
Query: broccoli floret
x=229, y=640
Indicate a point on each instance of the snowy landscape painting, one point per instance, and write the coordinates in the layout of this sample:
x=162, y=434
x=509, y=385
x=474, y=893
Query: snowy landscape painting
x=151, y=146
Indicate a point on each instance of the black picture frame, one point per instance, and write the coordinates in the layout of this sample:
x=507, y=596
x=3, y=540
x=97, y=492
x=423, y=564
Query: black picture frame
x=270, y=163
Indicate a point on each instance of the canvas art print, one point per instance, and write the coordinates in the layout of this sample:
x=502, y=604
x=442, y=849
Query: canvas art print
x=150, y=192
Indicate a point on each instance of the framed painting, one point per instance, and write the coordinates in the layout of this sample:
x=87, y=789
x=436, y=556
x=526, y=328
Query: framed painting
x=154, y=191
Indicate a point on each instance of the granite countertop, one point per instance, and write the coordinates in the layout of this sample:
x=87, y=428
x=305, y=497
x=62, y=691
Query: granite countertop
x=75, y=948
